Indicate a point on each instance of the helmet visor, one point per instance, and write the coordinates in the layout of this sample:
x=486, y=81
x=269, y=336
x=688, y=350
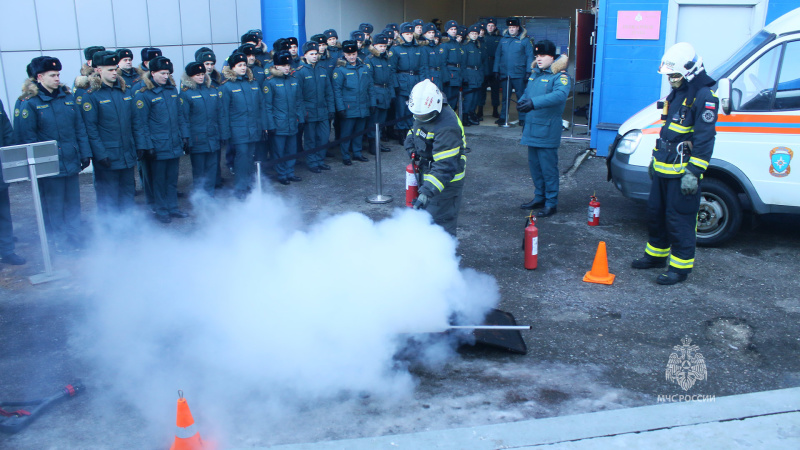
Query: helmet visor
x=426, y=117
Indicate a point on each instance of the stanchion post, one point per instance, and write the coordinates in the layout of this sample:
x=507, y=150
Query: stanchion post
x=37, y=206
x=508, y=101
x=460, y=104
x=258, y=176
x=378, y=198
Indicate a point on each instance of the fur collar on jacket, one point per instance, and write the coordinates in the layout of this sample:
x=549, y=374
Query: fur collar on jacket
x=376, y=53
x=96, y=83
x=558, y=65
x=30, y=89
x=520, y=35
x=230, y=75
x=149, y=84
x=188, y=82
x=275, y=72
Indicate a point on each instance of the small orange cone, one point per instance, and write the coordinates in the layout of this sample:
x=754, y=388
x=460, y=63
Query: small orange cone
x=599, y=273
x=186, y=436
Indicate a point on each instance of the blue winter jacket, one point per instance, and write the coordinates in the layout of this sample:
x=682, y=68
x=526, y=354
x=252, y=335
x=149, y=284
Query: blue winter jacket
x=351, y=89
x=548, y=90
x=284, y=109
x=514, y=55
x=200, y=106
x=454, y=60
x=435, y=63
x=161, y=124
x=472, y=71
x=242, y=108
x=108, y=113
x=409, y=64
x=315, y=86
x=382, y=78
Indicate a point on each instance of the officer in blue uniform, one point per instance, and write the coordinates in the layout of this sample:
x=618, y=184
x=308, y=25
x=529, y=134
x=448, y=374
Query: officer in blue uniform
x=7, y=255
x=541, y=107
x=315, y=86
x=418, y=25
x=513, y=60
x=126, y=70
x=334, y=48
x=163, y=135
x=284, y=111
x=324, y=59
x=243, y=119
x=352, y=86
x=454, y=56
x=294, y=48
x=81, y=84
x=49, y=112
x=367, y=29
x=200, y=107
x=680, y=159
x=253, y=63
x=473, y=74
x=209, y=61
x=108, y=113
x=382, y=87
x=490, y=41
x=435, y=57
x=409, y=65
x=363, y=49
x=256, y=37
x=148, y=54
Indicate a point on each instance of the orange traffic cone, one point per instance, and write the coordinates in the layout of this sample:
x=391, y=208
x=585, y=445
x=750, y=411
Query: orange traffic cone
x=186, y=436
x=599, y=273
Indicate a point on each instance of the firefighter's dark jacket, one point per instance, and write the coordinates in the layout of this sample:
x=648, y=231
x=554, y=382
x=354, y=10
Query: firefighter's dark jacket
x=691, y=115
x=161, y=124
x=242, y=107
x=200, y=106
x=440, y=145
x=54, y=117
x=108, y=113
x=315, y=85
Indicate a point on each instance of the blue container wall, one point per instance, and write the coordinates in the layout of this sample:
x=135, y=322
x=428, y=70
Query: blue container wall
x=777, y=8
x=626, y=79
x=282, y=19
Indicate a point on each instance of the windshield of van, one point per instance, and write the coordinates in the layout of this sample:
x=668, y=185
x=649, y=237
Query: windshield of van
x=755, y=43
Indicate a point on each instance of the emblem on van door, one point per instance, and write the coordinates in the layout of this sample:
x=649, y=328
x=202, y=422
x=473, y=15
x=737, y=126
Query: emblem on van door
x=780, y=157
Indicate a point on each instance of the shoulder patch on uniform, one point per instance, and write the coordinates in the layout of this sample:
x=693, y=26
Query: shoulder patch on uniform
x=86, y=107
x=181, y=100
x=335, y=75
x=368, y=66
x=139, y=104
x=563, y=80
x=24, y=113
x=16, y=112
x=79, y=99
x=709, y=116
x=266, y=89
x=390, y=53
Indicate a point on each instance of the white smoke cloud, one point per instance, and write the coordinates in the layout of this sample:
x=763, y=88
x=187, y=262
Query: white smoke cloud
x=256, y=308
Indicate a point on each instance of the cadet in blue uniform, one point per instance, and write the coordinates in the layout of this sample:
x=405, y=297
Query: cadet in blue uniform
x=315, y=86
x=256, y=37
x=473, y=74
x=253, y=63
x=435, y=57
x=81, y=84
x=325, y=59
x=7, y=255
x=108, y=113
x=513, y=60
x=382, y=87
x=49, y=112
x=126, y=70
x=409, y=65
x=680, y=159
x=454, y=57
x=360, y=38
x=367, y=29
x=200, y=107
x=163, y=135
x=334, y=48
x=490, y=41
x=148, y=54
x=209, y=60
x=418, y=25
x=243, y=119
x=284, y=112
x=541, y=107
x=352, y=85
x=294, y=48
x=437, y=140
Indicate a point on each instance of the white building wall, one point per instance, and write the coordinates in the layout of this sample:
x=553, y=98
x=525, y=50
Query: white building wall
x=63, y=28
x=344, y=16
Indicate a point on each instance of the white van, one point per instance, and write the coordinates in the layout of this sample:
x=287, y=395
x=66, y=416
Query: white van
x=758, y=133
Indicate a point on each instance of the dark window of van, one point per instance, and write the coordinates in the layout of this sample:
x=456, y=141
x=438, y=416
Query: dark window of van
x=787, y=95
x=753, y=89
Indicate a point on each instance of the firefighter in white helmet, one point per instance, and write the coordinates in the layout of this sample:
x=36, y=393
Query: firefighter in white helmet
x=680, y=158
x=437, y=141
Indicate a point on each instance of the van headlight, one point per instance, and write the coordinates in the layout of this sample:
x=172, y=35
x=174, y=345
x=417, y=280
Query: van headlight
x=629, y=142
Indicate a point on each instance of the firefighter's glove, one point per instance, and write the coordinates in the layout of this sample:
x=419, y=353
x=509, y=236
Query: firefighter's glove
x=689, y=184
x=651, y=170
x=421, y=202
x=526, y=105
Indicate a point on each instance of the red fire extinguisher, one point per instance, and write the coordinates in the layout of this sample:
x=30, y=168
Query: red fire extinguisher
x=531, y=244
x=594, y=211
x=412, y=185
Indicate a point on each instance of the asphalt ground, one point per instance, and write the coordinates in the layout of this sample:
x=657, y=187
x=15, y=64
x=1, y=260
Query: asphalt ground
x=592, y=347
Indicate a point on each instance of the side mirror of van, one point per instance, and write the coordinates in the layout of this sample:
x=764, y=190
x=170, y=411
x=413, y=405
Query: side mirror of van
x=724, y=95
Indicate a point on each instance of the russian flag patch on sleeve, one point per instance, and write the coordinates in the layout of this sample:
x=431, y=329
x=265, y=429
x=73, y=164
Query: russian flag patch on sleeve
x=710, y=105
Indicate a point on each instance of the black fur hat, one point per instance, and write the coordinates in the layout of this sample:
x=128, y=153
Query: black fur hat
x=88, y=52
x=406, y=27
x=236, y=58
x=393, y=27
x=280, y=44
x=257, y=32
x=206, y=56
x=349, y=47
x=491, y=20
x=202, y=50
x=310, y=46
x=357, y=36
x=44, y=64
x=124, y=53
x=282, y=58
x=194, y=68
x=161, y=63
x=330, y=33
x=382, y=39
x=250, y=37
x=292, y=41
x=104, y=58
x=318, y=38
x=29, y=68
x=149, y=53
x=366, y=28
x=418, y=22
x=512, y=22
x=450, y=24
x=475, y=27
x=248, y=49
x=545, y=47
x=428, y=27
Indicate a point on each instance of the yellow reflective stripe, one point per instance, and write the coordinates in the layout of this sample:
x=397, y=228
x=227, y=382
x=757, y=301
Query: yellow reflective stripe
x=429, y=136
x=669, y=169
x=446, y=154
x=680, y=128
x=460, y=176
x=434, y=181
x=681, y=263
x=463, y=136
x=409, y=132
x=657, y=252
x=699, y=162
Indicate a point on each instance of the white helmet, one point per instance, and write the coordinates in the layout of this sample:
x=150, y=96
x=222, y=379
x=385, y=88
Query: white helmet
x=425, y=99
x=681, y=59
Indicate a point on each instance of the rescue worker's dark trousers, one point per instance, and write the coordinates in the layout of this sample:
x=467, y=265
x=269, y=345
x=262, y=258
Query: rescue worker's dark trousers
x=6, y=228
x=672, y=224
x=352, y=147
x=204, y=171
x=243, y=166
x=516, y=85
x=314, y=135
x=284, y=146
x=444, y=207
x=543, y=164
x=115, y=189
x=491, y=82
x=165, y=185
x=61, y=207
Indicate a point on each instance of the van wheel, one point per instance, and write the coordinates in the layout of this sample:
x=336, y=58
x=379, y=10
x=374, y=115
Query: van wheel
x=720, y=214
